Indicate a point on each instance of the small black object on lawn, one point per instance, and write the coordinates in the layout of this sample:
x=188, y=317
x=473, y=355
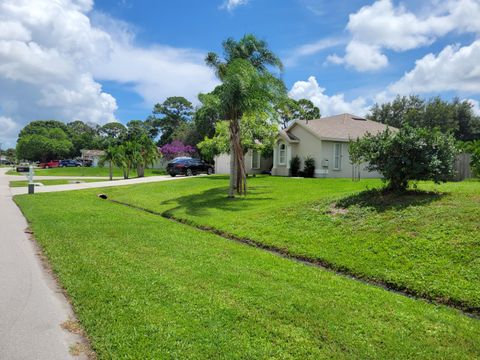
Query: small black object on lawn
x=102, y=196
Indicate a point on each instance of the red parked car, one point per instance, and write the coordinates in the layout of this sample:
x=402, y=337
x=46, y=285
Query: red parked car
x=50, y=164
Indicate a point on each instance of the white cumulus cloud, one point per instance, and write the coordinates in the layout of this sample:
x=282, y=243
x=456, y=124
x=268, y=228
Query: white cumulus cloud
x=52, y=58
x=328, y=105
x=232, y=4
x=453, y=69
x=383, y=25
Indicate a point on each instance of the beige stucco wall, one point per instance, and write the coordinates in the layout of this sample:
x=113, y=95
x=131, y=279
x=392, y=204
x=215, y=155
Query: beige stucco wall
x=309, y=145
x=222, y=164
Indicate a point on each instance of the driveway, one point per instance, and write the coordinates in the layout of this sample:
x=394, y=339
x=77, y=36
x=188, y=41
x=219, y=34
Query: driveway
x=32, y=307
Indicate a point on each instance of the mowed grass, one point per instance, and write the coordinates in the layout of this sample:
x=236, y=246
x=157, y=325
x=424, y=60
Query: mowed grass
x=24, y=183
x=148, y=288
x=425, y=243
x=88, y=171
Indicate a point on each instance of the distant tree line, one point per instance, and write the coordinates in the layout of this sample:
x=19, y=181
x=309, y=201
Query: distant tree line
x=454, y=117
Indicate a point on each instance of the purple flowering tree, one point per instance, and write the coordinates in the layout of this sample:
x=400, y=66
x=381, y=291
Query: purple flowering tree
x=177, y=148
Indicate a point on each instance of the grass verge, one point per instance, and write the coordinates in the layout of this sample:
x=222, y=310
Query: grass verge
x=425, y=243
x=24, y=183
x=146, y=287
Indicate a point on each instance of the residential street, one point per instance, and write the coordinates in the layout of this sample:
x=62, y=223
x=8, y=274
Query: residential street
x=31, y=306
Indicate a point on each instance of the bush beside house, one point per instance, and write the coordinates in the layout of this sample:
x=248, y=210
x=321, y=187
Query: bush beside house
x=411, y=154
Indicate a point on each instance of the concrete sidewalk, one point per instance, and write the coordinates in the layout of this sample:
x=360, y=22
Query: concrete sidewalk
x=32, y=307
x=98, y=184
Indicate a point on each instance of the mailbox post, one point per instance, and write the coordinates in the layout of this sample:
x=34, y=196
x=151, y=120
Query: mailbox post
x=31, y=185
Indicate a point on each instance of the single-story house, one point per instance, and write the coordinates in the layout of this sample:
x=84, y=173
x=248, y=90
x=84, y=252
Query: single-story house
x=92, y=155
x=326, y=140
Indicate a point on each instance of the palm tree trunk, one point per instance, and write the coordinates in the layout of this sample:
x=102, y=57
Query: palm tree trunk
x=140, y=170
x=110, y=170
x=233, y=168
x=238, y=176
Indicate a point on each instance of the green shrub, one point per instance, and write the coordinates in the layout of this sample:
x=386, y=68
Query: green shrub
x=294, y=166
x=309, y=168
x=473, y=147
x=409, y=154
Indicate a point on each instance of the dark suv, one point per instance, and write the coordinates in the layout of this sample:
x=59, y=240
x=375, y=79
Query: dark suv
x=69, y=163
x=188, y=166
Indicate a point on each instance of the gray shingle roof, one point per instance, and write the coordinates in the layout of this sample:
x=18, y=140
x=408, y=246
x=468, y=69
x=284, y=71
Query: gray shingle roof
x=343, y=127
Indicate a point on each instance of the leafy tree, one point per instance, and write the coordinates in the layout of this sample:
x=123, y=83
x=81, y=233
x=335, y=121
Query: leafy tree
x=406, y=155
x=468, y=128
x=288, y=110
x=43, y=148
x=256, y=133
x=136, y=129
x=206, y=116
x=42, y=127
x=43, y=141
x=82, y=136
x=439, y=113
x=456, y=117
x=170, y=115
x=248, y=87
x=308, y=111
x=400, y=112
x=112, y=132
x=10, y=154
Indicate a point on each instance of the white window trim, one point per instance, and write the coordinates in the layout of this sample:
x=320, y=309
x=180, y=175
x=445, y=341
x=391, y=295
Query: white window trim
x=257, y=153
x=280, y=154
x=340, y=146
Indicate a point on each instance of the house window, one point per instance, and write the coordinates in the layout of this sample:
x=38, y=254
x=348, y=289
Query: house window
x=282, y=154
x=255, y=159
x=337, y=156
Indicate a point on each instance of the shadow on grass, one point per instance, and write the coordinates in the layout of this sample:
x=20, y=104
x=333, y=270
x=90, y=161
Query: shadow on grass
x=200, y=204
x=383, y=200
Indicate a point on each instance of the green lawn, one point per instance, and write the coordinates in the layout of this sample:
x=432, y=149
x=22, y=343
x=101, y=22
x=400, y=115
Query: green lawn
x=24, y=183
x=148, y=288
x=88, y=171
x=428, y=244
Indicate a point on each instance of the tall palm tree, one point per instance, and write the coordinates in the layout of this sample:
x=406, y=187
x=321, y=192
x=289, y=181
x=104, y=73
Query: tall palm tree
x=131, y=156
x=247, y=87
x=113, y=155
x=249, y=48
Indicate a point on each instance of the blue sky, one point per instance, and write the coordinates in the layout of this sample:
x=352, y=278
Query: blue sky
x=286, y=25
x=111, y=60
